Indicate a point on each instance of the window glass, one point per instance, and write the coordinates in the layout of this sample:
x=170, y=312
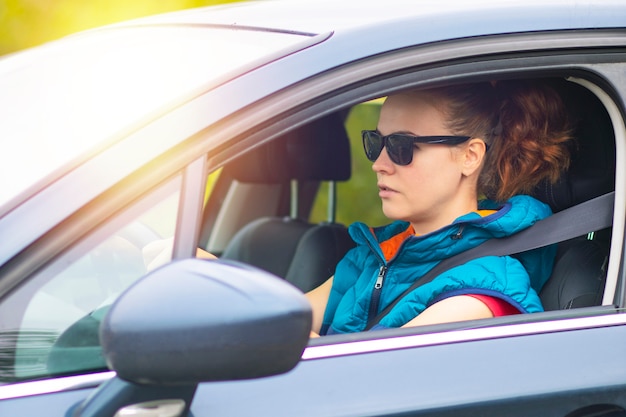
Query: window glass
x=362, y=185
x=50, y=325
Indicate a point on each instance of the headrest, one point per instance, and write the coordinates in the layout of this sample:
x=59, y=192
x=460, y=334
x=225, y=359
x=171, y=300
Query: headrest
x=592, y=169
x=318, y=151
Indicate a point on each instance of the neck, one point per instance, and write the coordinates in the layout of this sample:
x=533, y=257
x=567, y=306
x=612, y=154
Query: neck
x=437, y=220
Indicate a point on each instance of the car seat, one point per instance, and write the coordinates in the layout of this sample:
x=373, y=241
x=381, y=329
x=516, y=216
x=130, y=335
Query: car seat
x=579, y=271
x=303, y=253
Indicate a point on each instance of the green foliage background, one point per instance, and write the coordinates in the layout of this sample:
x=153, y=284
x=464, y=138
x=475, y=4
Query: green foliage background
x=26, y=23
x=357, y=198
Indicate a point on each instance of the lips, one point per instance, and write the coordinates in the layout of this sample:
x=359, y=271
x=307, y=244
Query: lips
x=384, y=190
x=383, y=187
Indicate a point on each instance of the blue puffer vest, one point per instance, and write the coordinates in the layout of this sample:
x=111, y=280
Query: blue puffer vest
x=515, y=280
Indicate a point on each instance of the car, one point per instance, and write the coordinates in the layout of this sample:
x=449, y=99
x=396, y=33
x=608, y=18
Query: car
x=235, y=130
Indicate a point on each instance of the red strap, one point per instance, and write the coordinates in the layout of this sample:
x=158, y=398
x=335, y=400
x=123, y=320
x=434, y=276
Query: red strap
x=497, y=306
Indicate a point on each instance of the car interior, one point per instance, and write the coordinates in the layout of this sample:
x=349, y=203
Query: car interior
x=302, y=252
x=287, y=244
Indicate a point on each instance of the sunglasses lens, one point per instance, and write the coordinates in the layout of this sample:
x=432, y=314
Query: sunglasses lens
x=400, y=149
x=373, y=145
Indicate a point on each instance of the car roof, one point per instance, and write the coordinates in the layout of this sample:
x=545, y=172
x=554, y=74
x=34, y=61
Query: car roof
x=475, y=18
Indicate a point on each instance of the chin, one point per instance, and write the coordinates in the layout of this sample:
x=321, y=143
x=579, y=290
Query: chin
x=394, y=214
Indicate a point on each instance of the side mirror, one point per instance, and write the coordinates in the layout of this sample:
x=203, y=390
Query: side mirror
x=198, y=320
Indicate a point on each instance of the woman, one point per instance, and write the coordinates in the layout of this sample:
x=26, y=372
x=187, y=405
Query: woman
x=435, y=152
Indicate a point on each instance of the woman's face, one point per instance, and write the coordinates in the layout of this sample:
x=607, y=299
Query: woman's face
x=432, y=191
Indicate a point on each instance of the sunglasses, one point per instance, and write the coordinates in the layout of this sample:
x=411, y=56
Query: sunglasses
x=400, y=146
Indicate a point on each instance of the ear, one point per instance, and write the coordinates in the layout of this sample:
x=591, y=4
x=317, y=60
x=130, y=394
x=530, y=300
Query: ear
x=473, y=156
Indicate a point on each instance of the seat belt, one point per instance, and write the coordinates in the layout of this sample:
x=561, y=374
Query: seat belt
x=583, y=218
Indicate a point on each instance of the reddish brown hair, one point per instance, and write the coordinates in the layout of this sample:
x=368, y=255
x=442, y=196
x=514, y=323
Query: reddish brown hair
x=525, y=125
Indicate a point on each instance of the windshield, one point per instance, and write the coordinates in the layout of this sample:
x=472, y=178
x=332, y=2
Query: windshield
x=61, y=100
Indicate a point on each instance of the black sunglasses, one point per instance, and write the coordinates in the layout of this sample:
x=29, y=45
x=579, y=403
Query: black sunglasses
x=400, y=146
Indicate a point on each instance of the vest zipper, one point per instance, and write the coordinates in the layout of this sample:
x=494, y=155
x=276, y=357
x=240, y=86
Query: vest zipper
x=458, y=235
x=382, y=271
x=378, y=288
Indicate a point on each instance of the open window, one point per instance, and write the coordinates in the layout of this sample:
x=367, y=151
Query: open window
x=265, y=189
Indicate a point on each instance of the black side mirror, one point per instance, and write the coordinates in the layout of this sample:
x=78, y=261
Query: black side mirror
x=195, y=320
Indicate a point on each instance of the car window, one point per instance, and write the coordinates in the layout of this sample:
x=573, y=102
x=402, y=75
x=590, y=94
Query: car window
x=592, y=153
x=49, y=326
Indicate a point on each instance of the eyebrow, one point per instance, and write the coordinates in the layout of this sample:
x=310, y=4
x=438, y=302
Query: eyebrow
x=402, y=132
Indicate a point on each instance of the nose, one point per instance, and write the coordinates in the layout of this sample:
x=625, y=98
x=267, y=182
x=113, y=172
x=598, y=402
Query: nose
x=383, y=164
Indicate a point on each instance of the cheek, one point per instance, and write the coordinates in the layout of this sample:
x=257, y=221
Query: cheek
x=435, y=172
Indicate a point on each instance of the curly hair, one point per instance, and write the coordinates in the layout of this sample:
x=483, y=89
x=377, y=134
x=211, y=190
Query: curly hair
x=525, y=125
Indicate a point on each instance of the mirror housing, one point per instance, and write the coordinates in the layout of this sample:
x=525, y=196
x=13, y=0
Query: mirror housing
x=196, y=320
